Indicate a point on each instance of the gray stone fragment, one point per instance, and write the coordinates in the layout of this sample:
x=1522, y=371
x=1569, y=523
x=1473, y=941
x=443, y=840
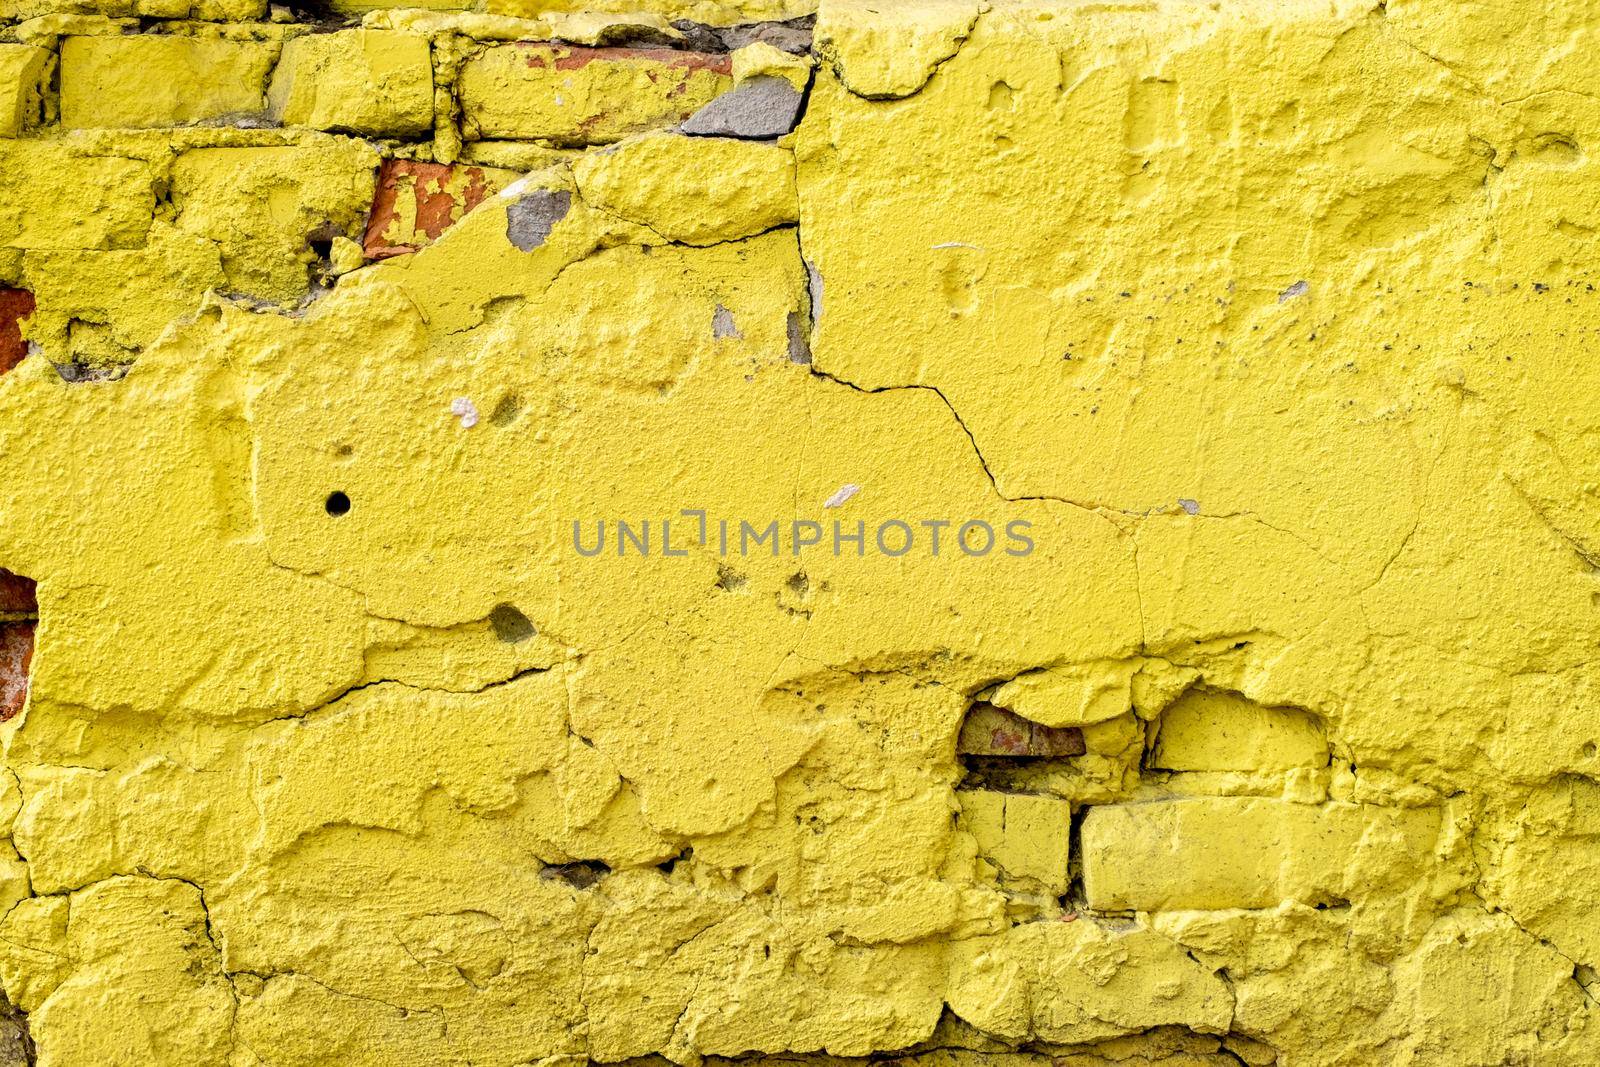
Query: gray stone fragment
x=799, y=343
x=722, y=324
x=530, y=220
x=758, y=109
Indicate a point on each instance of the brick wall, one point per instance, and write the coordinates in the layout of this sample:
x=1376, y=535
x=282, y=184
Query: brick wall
x=1256, y=338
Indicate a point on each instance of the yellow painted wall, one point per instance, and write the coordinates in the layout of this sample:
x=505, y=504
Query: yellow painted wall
x=1260, y=334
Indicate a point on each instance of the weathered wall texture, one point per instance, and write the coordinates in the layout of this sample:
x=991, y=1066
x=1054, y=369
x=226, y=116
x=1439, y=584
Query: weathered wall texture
x=1269, y=325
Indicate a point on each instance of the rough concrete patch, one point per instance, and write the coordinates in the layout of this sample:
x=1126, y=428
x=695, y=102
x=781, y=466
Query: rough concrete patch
x=698, y=36
x=799, y=345
x=722, y=324
x=81, y=372
x=16, y=1044
x=759, y=109
x=530, y=220
x=793, y=36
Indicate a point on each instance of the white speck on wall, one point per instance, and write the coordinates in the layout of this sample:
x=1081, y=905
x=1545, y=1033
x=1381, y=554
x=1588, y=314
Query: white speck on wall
x=1191, y=506
x=464, y=409
x=845, y=493
x=1300, y=288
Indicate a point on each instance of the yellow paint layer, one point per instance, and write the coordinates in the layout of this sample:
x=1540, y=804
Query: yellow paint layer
x=1082, y=554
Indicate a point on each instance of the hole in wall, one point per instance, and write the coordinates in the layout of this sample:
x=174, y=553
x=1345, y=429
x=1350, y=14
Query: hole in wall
x=579, y=875
x=990, y=732
x=506, y=411
x=668, y=865
x=337, y=504
x=510, y=625
x=730, y=580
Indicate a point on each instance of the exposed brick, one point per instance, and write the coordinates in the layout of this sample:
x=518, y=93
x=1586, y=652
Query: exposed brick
x=17, y=594
x=575, y=96
x=15, y=305
x=416, y=202
x=16, y=655
x=992, y=731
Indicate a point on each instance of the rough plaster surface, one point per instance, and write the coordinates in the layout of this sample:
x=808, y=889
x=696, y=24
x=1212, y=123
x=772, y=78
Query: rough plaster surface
x=1268, y=327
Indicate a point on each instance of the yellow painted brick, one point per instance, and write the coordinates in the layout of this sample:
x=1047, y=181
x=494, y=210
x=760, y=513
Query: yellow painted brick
x=143, y=80
x=54, y=197
x=712, y=12
x=131, y=293
x=166, y=918
x=263, y=207
x=760, y=58
x=883, y=50
x=983, y=814
x=359, y=7
x=211, y=10
x=1079, y=980
x=1248, y=852
x=698, y=190
x=375, y=82
x=571, y=96
x=1071, y=695
x=22, y=70
x=1216, y=731
x=1026, y=835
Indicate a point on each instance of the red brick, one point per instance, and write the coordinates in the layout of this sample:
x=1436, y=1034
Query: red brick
x=443, y=194
x=16, y=656
x=15, y=305
x=17, y=594
x=993, y=731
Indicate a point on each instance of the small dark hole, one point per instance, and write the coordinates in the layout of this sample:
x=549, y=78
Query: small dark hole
x=337, y=504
